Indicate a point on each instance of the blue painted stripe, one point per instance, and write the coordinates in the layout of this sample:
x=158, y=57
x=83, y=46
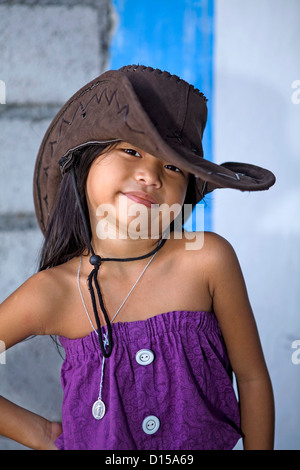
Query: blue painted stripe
x=173, y=35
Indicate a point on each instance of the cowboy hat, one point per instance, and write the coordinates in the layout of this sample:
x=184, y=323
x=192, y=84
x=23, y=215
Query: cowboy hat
x=152, y=110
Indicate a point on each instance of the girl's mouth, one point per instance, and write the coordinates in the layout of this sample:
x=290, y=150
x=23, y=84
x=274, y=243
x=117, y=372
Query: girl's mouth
x=141, y=197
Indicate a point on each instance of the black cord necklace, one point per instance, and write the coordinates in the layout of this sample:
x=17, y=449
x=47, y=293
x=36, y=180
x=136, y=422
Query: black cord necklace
x=96, y=261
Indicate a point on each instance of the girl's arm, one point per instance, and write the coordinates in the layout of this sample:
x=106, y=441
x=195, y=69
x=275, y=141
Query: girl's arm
x=26, y=427
x=234, y=313
x=23, y=314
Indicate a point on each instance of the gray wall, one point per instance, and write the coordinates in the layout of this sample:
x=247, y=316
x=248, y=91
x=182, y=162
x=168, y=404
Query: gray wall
x=48, y=50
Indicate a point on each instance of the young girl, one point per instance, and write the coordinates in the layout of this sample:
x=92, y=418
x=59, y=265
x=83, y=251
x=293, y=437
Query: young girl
x=152, y=325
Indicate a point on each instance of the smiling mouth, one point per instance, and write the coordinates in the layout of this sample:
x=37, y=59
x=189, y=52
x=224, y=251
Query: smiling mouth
x=141, y=198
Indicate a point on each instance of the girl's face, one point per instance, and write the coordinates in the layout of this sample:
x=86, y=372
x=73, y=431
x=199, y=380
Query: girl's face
x=132, y=189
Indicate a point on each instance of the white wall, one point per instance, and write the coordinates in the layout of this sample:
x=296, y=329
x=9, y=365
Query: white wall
x=257, y=50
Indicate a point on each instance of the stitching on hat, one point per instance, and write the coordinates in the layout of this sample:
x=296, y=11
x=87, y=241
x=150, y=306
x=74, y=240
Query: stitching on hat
x=45, y=199
x=165, y=74
x=64, y=122
x=83, y=112
x=176, y=135
x=179, y=139
x=237, y=175
x=124, y=109
x=45, y=169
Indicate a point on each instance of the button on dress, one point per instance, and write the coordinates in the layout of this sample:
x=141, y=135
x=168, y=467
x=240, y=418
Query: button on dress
x=166, y=386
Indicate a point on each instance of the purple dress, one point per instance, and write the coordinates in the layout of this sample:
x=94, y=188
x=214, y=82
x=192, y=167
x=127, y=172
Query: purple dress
x=166, y=386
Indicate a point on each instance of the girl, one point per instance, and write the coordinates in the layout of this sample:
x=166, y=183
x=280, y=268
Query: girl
x=152, y=326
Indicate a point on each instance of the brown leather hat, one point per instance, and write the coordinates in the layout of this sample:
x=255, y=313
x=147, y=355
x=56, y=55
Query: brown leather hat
x=151, y=109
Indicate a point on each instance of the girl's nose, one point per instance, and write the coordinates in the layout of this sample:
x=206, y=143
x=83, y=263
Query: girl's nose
x=149, y=173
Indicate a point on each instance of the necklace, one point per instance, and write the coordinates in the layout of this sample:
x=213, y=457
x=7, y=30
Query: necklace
x=98, y=409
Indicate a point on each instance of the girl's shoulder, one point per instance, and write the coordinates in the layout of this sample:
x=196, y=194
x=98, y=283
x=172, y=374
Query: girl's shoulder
x=33, y=308
x=47, y=291
x=207, y=256
x=208, y=247
x=201, y=255
x=52, y=280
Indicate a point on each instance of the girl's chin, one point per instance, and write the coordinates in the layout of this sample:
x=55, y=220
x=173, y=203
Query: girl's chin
x=129, y=219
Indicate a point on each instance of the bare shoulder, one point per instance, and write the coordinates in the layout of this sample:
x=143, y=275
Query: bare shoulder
x=45, y=286
x=219, y=251
x=211, y=258
x=52, y=287
x=207, y=247
x=216, y=245
x=32, y=308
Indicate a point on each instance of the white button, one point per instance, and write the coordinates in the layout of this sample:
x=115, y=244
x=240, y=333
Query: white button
x=144, y=357
x=151, y=424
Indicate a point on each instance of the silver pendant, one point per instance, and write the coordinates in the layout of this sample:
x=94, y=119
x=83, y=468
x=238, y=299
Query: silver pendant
x=98, y=409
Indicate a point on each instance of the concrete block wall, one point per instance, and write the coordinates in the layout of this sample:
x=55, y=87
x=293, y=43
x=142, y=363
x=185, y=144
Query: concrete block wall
x=49, y=49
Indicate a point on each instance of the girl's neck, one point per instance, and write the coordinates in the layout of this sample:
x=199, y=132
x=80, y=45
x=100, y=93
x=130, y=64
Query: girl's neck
x=128, y=248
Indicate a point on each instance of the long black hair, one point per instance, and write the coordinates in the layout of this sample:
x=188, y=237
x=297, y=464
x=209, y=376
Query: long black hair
x=65, y=237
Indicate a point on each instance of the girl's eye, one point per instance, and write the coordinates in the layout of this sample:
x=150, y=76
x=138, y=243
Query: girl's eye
x=132, y=152
x=173, y=168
